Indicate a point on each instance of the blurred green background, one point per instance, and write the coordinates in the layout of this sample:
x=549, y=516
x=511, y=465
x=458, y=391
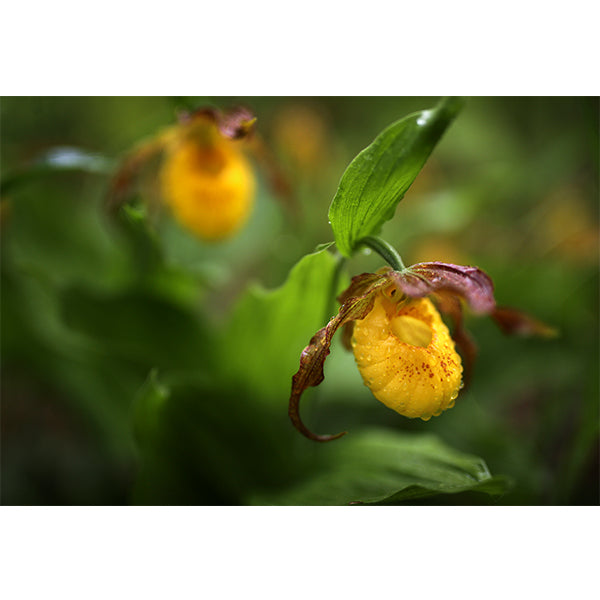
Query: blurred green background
x=92, y=306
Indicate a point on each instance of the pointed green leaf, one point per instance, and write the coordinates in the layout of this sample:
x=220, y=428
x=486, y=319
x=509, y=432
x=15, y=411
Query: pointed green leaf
x=385, y=467
x=149, y=402
x=269, y=328
x=63, y=158
x=377, y=179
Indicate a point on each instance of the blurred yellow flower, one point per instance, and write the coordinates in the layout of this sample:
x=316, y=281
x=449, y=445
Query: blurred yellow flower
x=208, y=183
x=205, y=178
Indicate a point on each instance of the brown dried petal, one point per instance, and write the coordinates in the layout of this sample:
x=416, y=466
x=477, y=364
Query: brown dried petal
x=234, y=124
x=450, y=305
x=361, y=284
x=122, y=182
x=469, y=283
x=515, y=322
x=359, y=299
x=347, y=333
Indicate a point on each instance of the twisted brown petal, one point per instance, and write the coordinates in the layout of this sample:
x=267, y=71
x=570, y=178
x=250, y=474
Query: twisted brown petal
x=515, y=322
x=363, y=284
x=450, y=305
x=123, y=181
x=358, y=301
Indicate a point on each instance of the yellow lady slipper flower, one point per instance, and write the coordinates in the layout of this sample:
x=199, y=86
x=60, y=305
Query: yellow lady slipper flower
x=205, y=178
x=403, y=350
x=209, y=185
x=407, y=358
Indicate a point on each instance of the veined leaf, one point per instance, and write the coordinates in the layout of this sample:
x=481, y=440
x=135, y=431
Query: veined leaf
x=377, y=179
x=385, y=467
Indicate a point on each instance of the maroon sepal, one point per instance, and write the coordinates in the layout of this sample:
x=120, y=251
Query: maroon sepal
x=469, y=283
x=234, y=124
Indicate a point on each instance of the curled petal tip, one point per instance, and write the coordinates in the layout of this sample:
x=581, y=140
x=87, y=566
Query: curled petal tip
x=305, y=431
x=357, y=301
x=326, y=438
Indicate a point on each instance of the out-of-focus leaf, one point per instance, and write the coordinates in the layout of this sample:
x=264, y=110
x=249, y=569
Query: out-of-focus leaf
x=149, y=402
x=202, y=442
x=139, y=327
x=62, y=158
x=384, y=467
x=377, y=179
x=261, y=346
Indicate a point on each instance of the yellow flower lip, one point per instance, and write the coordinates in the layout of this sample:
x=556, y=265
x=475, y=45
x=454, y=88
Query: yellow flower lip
x=407, y=358
x=411, y=331
x=209, y=187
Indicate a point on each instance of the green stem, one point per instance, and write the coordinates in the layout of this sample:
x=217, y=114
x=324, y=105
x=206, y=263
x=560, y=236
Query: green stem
x=385, y=250
x=450, y=106
x=331, y=305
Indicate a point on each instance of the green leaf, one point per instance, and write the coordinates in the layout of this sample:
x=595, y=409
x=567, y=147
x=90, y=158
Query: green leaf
x=149, y=403
x=268, y=330
x=377, y=179
x=139, y=327
x=202, y=443
x=324, y=246
x=63, y=158
x=385, y=467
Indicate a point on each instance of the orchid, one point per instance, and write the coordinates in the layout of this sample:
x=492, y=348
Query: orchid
x=204, y=177
x=403, y=349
